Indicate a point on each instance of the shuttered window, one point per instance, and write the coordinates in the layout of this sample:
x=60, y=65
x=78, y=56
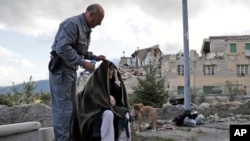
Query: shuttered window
x=233, y=48
x=180, y=69
x=180, y=90
x=209, y=69
x=247, y=48
x=242, y=70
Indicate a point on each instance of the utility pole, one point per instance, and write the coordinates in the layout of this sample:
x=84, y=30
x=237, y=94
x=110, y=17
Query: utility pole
x=187, y=97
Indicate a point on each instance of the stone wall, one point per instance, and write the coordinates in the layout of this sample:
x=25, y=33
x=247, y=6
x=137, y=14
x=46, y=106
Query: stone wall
x=24, y=113
x=42, y=113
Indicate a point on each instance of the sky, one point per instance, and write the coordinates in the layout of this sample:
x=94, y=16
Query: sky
x=28, y=27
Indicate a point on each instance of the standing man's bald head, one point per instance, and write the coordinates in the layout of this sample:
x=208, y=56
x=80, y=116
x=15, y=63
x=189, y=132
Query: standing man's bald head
x=94, y=15
x=96, y=8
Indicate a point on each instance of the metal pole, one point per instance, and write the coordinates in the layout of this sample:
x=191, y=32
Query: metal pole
x=187, y=97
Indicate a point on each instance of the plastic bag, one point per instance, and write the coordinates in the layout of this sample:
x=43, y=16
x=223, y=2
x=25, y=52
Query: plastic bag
x=200, y=119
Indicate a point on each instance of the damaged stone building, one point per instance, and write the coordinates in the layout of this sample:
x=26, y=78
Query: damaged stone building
x=223, y=59
x=143, y=57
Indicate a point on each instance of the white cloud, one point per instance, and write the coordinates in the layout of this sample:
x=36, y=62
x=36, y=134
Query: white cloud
x=6, y=53
x=128, y=24
x=12, y=59
x=6, y=71
x=8, y=75
x=23, y=62
x=133, y=28
x=38, y=26
x=42, y=26
x=13, y=67
x=2, y=26
x=122, y=31
x=218, y=21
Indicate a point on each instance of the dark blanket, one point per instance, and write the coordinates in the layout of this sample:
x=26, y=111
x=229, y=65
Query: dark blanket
x=92, y=100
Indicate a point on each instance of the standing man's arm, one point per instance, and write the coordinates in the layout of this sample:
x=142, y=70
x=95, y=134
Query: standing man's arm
x=91, y=56
x=65, y=41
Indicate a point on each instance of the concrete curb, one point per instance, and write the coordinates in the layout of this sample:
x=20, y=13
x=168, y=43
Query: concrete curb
x=26, y=131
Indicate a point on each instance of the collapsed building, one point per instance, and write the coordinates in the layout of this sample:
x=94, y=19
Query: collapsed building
x=224, y=63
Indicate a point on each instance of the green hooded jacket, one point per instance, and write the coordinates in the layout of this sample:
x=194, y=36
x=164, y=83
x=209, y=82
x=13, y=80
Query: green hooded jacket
x=95, y=98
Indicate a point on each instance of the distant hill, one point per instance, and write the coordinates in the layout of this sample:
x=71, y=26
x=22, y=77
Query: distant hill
x=41, y=85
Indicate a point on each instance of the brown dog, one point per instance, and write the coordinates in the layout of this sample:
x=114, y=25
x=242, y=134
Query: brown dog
x=145, y=111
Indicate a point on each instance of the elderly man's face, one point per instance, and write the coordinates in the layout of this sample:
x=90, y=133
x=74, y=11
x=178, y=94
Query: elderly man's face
x=96, y=19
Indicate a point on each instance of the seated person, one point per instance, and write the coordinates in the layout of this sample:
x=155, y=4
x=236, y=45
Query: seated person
x=102, y=110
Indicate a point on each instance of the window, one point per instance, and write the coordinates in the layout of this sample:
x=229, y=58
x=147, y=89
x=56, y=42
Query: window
x=233, y=48
x=180, y=90
x=209, y=69
x=247, y=48
x=242, y=70
x=180, y=69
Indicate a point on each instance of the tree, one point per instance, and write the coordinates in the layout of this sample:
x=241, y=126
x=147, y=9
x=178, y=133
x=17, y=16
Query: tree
x=17, y=97
x=5, y=100
x=28, y=89
x=44, y=97
x=231, y=90
x=25, y=97
x=150, y=90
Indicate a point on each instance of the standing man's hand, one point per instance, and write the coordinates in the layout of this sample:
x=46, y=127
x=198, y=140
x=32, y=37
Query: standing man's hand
x=89, y=66
x=100, y=57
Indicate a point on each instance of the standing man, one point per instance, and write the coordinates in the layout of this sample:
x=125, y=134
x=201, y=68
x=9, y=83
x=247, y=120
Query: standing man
x=69, y=50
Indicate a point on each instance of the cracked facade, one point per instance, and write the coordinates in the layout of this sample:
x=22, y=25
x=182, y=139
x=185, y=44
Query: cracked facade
x=223, y=60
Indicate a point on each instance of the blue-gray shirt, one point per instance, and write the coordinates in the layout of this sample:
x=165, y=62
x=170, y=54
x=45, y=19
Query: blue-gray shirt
x=72, y=42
